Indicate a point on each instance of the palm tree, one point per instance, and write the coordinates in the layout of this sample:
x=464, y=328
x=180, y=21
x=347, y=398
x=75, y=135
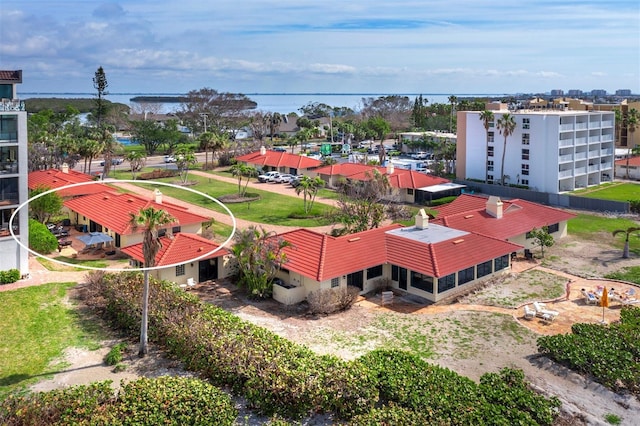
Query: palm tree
x=240, y=171
x=206, y=140
x=452, y=100
x=487, y=118
x=150, y=219
x=506, y=125
x=627, y=232
x=309, y=188
x=274, y=124
x=632, y=125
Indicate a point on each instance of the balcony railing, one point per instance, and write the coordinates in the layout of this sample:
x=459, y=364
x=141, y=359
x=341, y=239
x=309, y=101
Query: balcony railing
x=566, y=158
x=566, y=142
x=565, y=173
x=12, y=105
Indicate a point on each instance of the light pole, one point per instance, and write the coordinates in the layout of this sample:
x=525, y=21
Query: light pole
x=204, y=117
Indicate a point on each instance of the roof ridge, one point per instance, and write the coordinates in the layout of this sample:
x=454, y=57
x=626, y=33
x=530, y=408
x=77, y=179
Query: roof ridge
x=323, y=252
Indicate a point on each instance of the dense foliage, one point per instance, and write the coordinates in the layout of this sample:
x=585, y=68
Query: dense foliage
x=279, y=377
x=9, y=276
x=41, y=240
x=165, y=400
x=608, y=353
x=438, y=395
x=83, y=105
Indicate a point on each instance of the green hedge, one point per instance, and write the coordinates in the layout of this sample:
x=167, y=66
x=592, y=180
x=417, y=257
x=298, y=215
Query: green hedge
x=608, y=353
x=9, y=276
x=41, y=240
x=165, y=400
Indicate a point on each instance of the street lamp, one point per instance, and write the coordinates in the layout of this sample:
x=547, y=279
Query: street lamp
x=204, y=117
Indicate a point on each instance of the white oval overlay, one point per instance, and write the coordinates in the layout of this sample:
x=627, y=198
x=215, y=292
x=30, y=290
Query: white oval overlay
x=115, y=182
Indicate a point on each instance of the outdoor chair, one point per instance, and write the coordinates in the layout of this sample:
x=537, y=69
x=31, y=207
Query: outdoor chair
x=589, y=298
x=529, y=313
x=544, y=313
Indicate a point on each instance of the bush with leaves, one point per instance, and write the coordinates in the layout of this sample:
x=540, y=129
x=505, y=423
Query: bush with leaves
x=41, y=240
x=609, y=353
x=9, y=276
x=165, y=400
x=330, y=300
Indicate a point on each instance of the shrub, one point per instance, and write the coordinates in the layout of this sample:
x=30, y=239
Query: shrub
x=164, y=400
x=382, y=284
x=9, y=276
x=115, y=354
x=330, y=300
x=41, y=240
x=158, y=174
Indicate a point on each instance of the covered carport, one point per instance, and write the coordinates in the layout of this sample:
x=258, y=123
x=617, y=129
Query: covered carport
x=427, y=194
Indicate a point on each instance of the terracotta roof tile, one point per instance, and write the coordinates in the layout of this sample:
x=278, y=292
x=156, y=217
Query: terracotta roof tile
x=55, y=178
x=15, y=76
x=468, y=213
x=279, y=159
x=181, y=248
x=112, y=210
x=400, y=178
x=633, y=161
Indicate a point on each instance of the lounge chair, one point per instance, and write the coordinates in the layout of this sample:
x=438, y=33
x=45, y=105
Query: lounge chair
x=544, y=313
x=190, y=284
x=590, y=298
x=529, y=313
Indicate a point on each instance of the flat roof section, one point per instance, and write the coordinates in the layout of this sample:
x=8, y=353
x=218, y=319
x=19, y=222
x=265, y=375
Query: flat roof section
x=432, y=234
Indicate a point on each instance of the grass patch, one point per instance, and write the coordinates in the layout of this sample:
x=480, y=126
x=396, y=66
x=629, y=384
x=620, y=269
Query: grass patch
x=56, y=267
x=630, y=274
x=37, y=324
x=611, y=191
x=597, y=228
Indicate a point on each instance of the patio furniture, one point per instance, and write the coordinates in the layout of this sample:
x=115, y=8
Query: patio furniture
x=544, y=313
x=529, y=313
x=190, y=284
x=589, y=297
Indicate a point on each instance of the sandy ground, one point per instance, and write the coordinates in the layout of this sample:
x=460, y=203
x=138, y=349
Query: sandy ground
x=470, y=342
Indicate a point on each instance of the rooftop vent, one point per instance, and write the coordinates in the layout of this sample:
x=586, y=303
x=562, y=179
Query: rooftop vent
x=422, y=219
x=353, y=239
x=458, y=241
x=469, y=216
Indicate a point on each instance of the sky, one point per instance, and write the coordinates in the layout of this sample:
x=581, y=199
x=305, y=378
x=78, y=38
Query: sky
x=303, y=46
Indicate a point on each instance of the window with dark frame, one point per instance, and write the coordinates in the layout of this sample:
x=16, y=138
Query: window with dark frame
x=501, y=262
x=422, y=282
x=446, y=283
x=525, y=154
x=466, y=275
x=374, y=272
x=553, y=228
x=179, y=270
x=335, y=282
x=484, y=268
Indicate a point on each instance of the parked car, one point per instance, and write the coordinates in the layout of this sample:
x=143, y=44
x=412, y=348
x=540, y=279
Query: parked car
x=114, y=162
x=267, y=177
x=169, y=159
x=295, y=181
x=283, y=178
x=419, y=155
x=279, y=149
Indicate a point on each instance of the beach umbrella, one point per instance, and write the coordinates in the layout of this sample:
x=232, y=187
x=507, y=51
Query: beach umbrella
x=94, y=238
x=604, y=302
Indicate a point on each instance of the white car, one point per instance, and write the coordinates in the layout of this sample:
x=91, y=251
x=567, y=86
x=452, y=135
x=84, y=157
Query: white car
x=283, y=178
x=268, y=177
x=169, y=159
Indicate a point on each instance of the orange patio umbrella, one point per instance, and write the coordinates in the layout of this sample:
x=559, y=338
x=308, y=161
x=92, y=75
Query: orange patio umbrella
x=604, y=302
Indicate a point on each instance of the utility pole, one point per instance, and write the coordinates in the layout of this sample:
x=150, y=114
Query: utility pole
x=204, y=117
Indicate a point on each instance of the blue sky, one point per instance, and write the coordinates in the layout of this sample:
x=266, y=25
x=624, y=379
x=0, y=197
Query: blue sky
x=355, y=46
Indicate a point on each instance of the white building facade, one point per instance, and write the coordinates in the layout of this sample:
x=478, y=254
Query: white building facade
x=550, y=151
x=13, y=175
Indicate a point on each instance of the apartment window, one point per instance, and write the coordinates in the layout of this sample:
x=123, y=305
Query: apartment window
x=525, y=154
x=525, y=169
x=466, y=275
x=490, y=137
x=525, y=139
x=422, y=282
x=446, y=283
x=524, y=182
x=489, y=177
x=335, y=282
x=179, y=270
x=525, y=123
x=490, y=151
x=376, y=271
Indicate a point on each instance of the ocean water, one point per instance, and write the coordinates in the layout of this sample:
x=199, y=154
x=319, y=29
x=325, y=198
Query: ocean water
x=283, y=103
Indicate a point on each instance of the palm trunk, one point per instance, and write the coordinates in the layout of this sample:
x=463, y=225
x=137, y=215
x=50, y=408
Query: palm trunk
x=504, y=150
x=145, y=317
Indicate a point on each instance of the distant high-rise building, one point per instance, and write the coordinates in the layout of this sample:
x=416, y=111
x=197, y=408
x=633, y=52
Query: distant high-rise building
x=598, y=92
x=557, y=92
x=574, y=92
x=623, y=92
x=13, y=175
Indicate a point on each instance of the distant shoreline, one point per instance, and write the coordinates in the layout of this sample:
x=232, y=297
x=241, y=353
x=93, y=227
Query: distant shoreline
x=159, y=99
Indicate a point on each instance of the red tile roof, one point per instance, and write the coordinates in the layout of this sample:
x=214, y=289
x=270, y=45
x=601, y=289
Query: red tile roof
x=279, y=159
x=400, y=178
x=11, y=76
x=181, y=248
x=322, y=257
x=633, y=161
x=55, y=178
x=468, y=213
x=111, y=210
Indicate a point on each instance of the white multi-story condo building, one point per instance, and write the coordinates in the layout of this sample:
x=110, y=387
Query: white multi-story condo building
x=13, y=175
x=550, y=150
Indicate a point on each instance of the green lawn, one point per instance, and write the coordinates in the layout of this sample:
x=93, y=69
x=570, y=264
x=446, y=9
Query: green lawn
x=591, y=227
x=271, y=208
x=612, y=191
x=37, y=324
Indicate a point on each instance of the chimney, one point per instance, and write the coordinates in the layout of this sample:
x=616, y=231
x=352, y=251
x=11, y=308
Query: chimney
x=494, y=207
x=389, y=168
x=158, y=195
x=263, y=150
x=422, y=220
x=65, y=168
